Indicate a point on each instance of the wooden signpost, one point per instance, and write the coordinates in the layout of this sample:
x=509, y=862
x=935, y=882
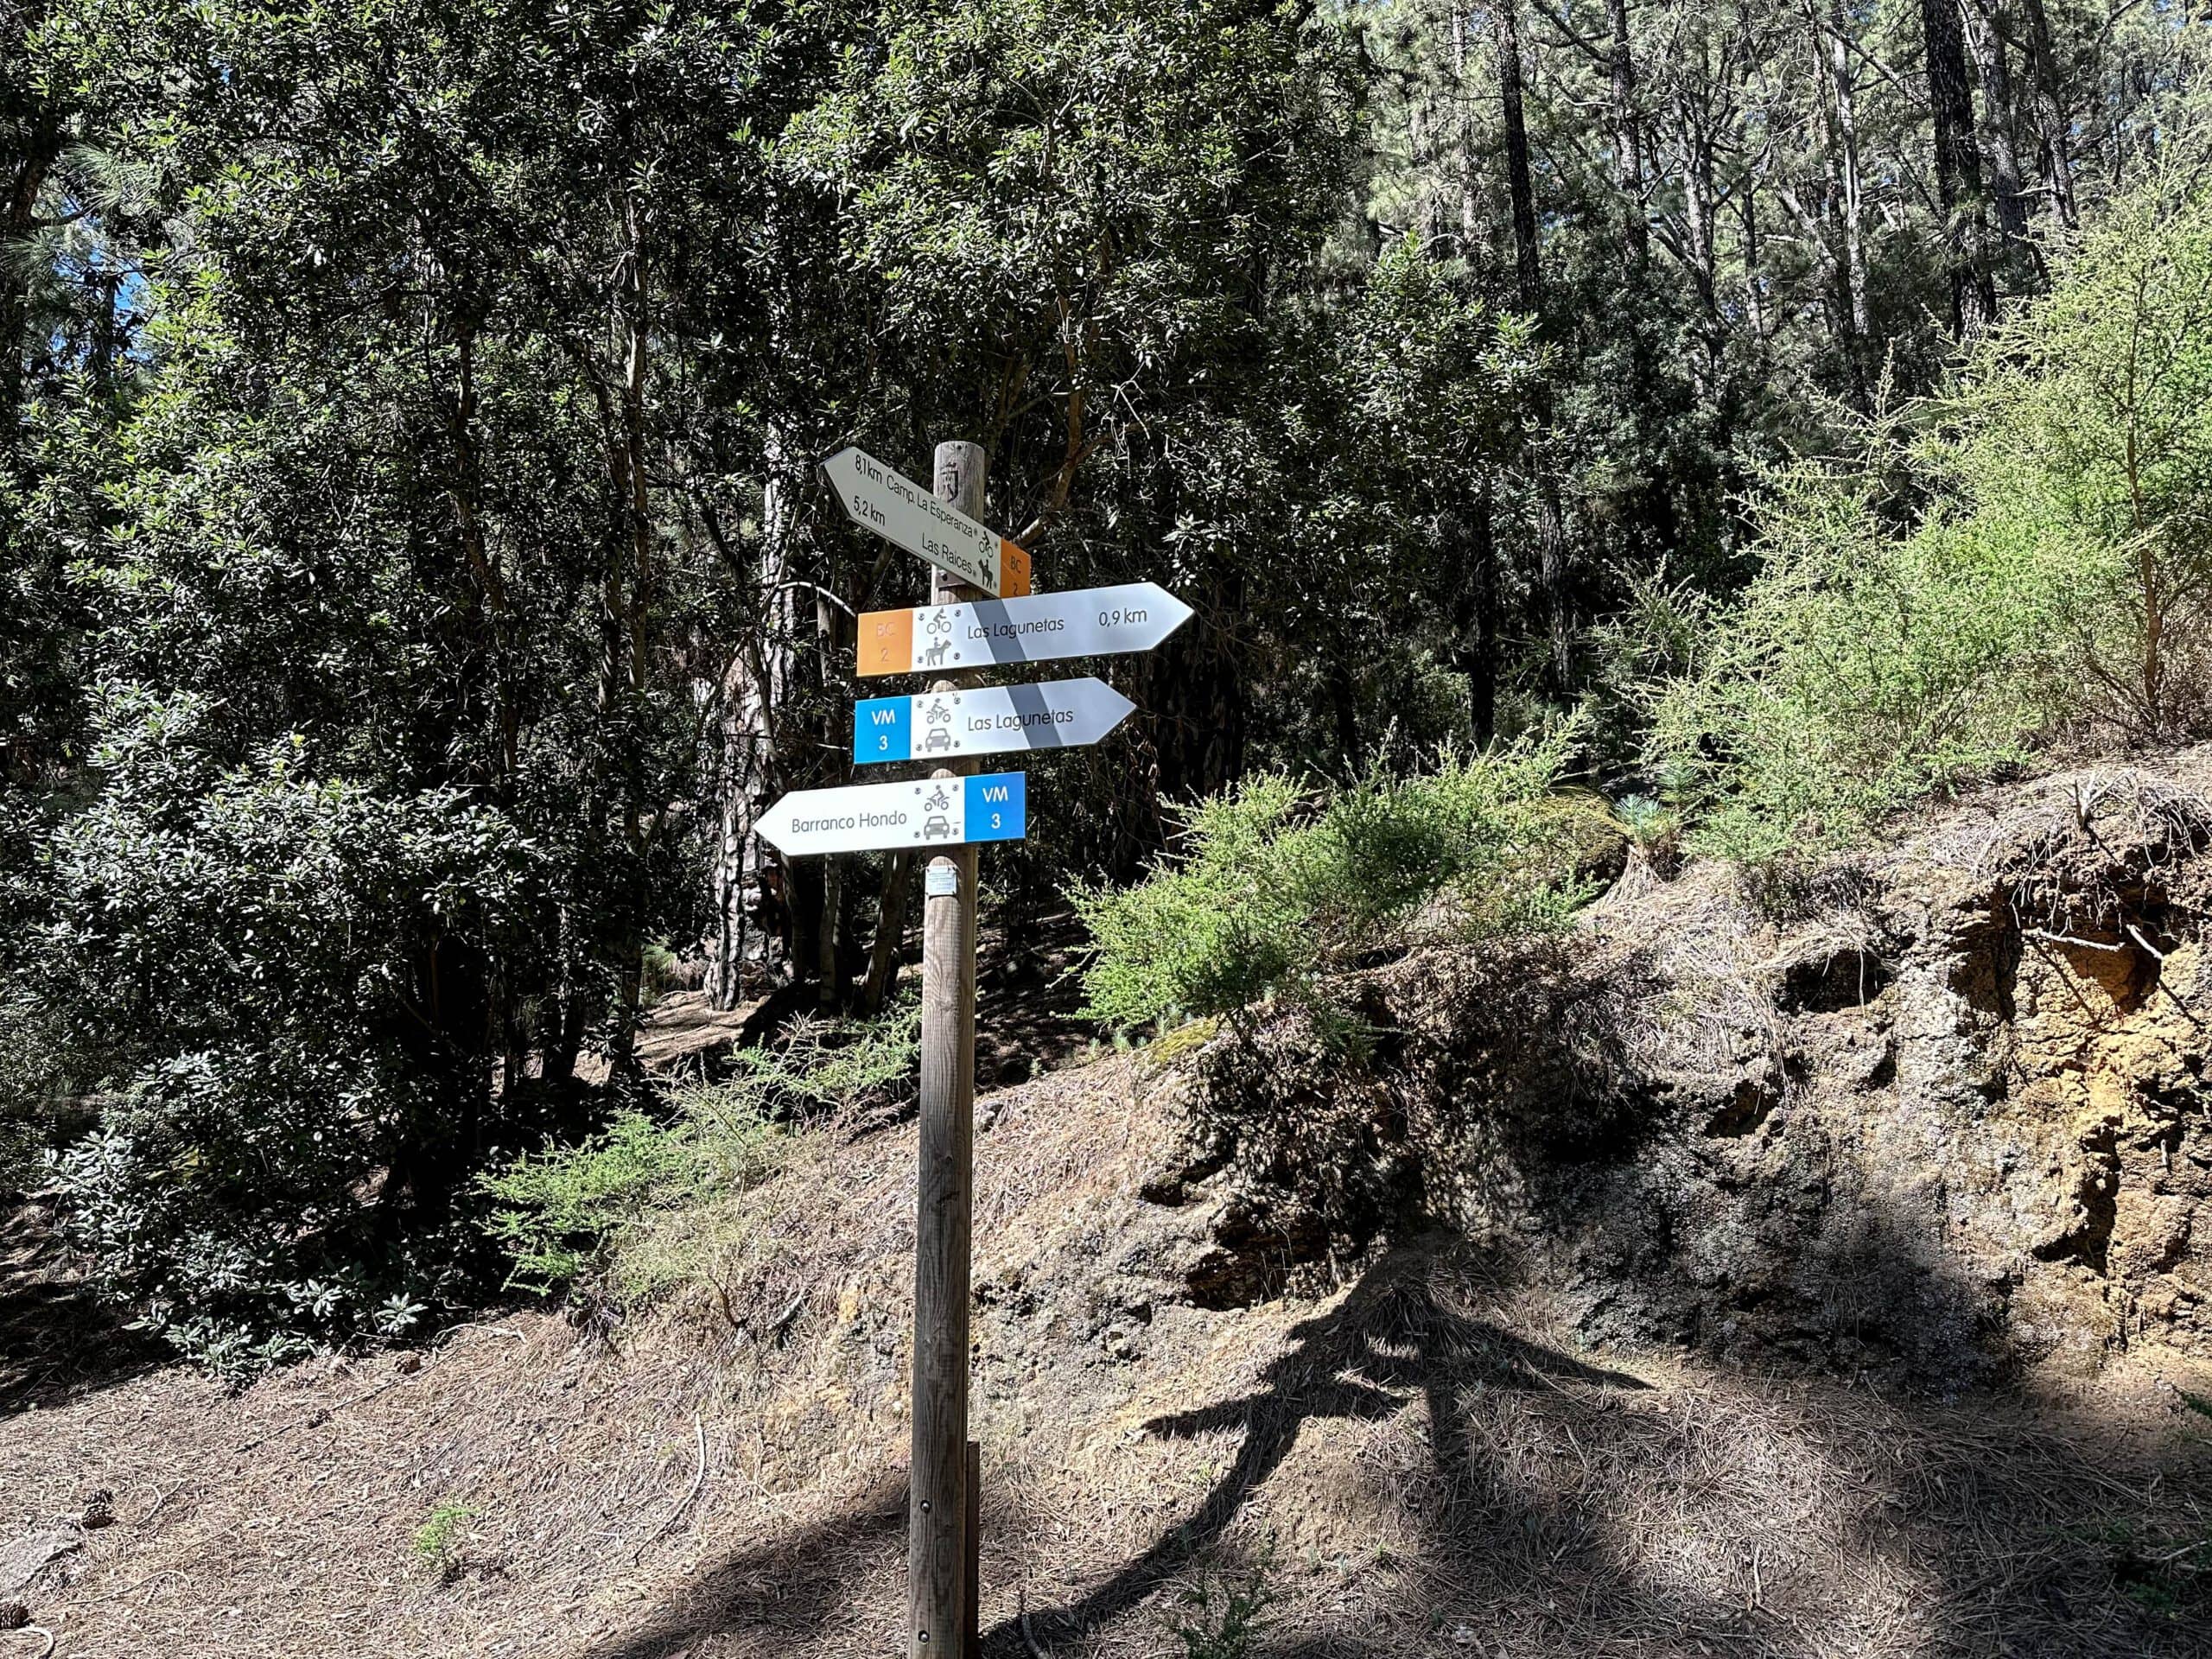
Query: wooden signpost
x=981, y=613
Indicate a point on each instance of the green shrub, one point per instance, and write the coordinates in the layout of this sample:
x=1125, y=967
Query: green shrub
x=560, y=1209
x=1277, y=886
x=2029, y=554
x=2086, y=431
x=263, y=964
x=437, y=1541
x=635, y=1209
x=1223, y=1619
x=1858, y=671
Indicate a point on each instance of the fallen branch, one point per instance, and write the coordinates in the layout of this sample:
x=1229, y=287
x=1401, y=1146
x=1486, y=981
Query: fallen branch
x=144, y=1584
x=160, y=1499
x=440, y=1340
x=781, y=1326
x=2136, y=933
x=2069, y=940
x=699, y=1479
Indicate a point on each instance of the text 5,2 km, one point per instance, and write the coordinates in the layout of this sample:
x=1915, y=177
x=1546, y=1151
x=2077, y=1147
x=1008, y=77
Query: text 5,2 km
x=1040, y=627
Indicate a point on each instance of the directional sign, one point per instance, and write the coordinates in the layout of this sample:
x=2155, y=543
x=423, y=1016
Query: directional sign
x=989, y=719
x=934, y=812
x=901, y=511
x=1090, y=622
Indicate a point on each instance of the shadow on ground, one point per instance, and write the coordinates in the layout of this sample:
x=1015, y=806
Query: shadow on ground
x=2011, y=1539
x=782, y=1591
x=56, y=1342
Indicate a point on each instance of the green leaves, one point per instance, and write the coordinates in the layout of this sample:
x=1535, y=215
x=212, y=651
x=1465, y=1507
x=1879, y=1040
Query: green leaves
x=2056, y=570
x=1043, y=197
x=1278, y=887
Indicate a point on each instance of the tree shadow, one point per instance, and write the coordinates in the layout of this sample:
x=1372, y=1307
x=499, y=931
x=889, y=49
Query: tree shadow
x=782, y=1591
x=1391, y=1340
x=57, y=1342
x=2016, y=1534
x=2009, y=1534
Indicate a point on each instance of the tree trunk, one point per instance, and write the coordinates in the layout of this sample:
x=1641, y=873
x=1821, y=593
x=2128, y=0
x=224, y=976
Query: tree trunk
x=25, y=181
x=1344, y=705
x=833, y=903
x=1470, y=156
x=2000, y=119
x=630, y=604
x=1754, y=280
x=1700, y=195
x=1473, y=542
x=2051, y=115
x=1552, y=572
x=890, y=933
x=1428, y=210
x=1528, y=274
x=755, y=685
x=1850, y=180
x=1628, y=144
x=1959, y=191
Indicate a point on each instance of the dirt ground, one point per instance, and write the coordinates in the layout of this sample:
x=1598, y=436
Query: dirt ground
x=1420, y=1463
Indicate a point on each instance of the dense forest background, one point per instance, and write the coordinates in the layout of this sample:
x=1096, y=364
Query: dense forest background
x=416, y=578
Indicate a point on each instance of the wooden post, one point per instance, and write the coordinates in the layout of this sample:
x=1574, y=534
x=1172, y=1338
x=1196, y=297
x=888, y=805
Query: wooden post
x=937, y=1544
x=974, y=1591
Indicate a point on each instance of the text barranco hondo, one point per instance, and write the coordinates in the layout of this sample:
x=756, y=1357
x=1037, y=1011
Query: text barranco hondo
x=1088, y=622
x=883, y=499
x=988, y=720
x=932, y=812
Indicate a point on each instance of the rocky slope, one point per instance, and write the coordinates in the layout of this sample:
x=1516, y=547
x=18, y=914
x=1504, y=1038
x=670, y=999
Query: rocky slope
x=1936, y=1113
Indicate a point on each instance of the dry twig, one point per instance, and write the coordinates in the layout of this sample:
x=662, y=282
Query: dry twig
x=699, y=1479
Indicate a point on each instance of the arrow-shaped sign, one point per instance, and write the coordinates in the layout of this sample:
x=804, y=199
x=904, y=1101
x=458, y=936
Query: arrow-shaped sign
x=988, y=720
x=887, y=501
x=933, y=812
x=1090, y=622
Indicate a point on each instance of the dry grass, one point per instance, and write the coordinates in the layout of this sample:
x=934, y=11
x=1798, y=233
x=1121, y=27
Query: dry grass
x=1427, y=1463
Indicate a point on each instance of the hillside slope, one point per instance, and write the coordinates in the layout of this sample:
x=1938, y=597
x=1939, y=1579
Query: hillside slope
x=1810, y=1274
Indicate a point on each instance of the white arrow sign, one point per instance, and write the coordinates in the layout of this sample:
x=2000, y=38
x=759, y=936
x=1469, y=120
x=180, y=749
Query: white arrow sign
x=933, y=812
x=887, y=501
x=1090, y=622
x=988, y=720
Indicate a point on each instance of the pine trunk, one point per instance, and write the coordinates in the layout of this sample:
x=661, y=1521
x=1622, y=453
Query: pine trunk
x=1959, y=191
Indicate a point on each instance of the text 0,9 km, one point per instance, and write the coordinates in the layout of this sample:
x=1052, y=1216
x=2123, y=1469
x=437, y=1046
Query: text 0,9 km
x=1036, y=627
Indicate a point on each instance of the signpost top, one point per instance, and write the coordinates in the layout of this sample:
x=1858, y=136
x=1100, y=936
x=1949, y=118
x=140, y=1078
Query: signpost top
x=882, y=498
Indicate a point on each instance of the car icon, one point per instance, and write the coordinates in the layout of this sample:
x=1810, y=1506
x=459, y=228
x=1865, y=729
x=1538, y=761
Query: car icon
x=937, y=738
x=939, y=828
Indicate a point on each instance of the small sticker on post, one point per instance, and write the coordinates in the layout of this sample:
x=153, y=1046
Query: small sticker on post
x=943, y=880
